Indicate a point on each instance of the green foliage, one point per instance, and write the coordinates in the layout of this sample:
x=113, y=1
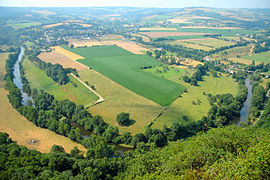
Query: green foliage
x=123, y=119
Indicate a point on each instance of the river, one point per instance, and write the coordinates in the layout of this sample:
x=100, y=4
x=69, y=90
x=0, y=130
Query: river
x=247, y=104
x=17, y=78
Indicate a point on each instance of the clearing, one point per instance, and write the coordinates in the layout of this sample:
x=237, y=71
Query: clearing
x=183, y=111
x=56, y=57
x=126, y=69
x=120, y=99
x=21, y=130
x=67, y=53
x=132, y=47
x=38, y=79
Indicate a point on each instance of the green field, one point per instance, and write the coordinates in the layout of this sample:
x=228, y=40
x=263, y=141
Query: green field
x=223, y=32
x=190, y=45
x=125, y=68
x=180, y=37
x=38, y=79
x=211, y=42
x=165, y=71
x=183, y=111
x=24, y=24
x=260, y=57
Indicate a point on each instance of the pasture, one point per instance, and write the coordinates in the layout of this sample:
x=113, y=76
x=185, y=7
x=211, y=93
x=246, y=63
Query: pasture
x=190, y=45
x=263, y=57
x=182, y=109
x=125, y=68
x=69, y=54
x=210, y=42
x=233, y=52
x=120, y=99
x=22, y=24
x=38, y=79
x=22, y=130
x=171, y=34
x=56, y=57
x=165, y=71
x=242, y=61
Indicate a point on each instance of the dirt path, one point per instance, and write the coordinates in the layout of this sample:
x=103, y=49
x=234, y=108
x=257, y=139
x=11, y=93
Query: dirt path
x=101, y=99
x=251, y=50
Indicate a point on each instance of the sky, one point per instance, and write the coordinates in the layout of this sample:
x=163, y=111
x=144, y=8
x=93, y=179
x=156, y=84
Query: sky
x=139, y=3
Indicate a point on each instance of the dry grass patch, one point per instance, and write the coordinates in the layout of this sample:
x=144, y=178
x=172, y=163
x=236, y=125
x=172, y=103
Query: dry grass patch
x=167, y=34
x=243, y=61
x=85, y=25
x=84, y=42
x=119, y=99
x=144, y=38
x=132, y=47
x=190, y=62
x=67, y=53
x=189, y=45
x=109, y=37
x=56, y=57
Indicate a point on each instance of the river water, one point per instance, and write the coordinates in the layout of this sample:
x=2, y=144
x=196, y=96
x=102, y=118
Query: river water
x=17, y=78
x=247, y=104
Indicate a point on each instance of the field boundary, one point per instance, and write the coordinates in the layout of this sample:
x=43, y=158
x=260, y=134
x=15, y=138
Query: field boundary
x=100, y=100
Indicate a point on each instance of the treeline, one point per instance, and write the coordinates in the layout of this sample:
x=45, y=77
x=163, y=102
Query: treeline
x=228, y=152
x=265, y=118
x=54, y=71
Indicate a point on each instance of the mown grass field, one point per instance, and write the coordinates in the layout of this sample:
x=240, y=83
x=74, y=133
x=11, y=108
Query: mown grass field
x=233, y=52
x=125, y=68
x=39, y=80
x=165, y=71
x=22, y=24
x=211, y=42
x=183, y=111
x=119, y=99
x=181, y=37
x=190, y=45
x=22, y=130
x=260, y=57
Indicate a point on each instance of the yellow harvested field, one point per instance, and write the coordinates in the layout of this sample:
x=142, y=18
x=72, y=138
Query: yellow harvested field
x=67, y=53
x=85, y=25
x=157, y=29
x=109, y=37
x=167, y=34
x=180, y=67
x=52, y=25
x=24, y=131
x=144, y=38
x=56, y=57
x=244, y=61
x=84, y=42
x=132, y=47
x=205, y=27
x=190, y=62
x=119, y=99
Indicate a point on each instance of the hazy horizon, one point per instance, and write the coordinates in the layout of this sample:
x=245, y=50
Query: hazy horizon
x=138, y=3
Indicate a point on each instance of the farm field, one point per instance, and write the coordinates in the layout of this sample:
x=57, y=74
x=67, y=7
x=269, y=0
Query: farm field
x=83, y=42
x=38, y=79
x=132, y=47
x=263, y=57
x=206, y=27
x=170, y=34
x=144, y=38
x=241, y=60
x=69, y=54
x=111, y=37
x=22, y=130
x=165, y=71
x=56, y=57
x=233, y=52
x=52, y=25
x=158, y=29
x=125, y=69
x=119, y=99
x=190, y=45
x=179, y=38
x=18, y=25
x=210, y=42
x=183, y=111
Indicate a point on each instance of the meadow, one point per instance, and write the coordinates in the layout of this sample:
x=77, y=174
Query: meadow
x=22, y=130
x=126, y=69
x=190, y=45
x=22, y=24
x=38, y=79
x=260, y=57
x=182, y=110
x=211, y=42
x=120, y=99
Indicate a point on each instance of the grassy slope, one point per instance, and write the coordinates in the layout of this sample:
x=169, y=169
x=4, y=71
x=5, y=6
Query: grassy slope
x=21, y=130
x=124, y=68
x=260, y=57
x=38, y=79
x=183, y=106
x=119, y=99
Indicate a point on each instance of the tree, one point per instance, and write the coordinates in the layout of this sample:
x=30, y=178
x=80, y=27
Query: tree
x=123, y=119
